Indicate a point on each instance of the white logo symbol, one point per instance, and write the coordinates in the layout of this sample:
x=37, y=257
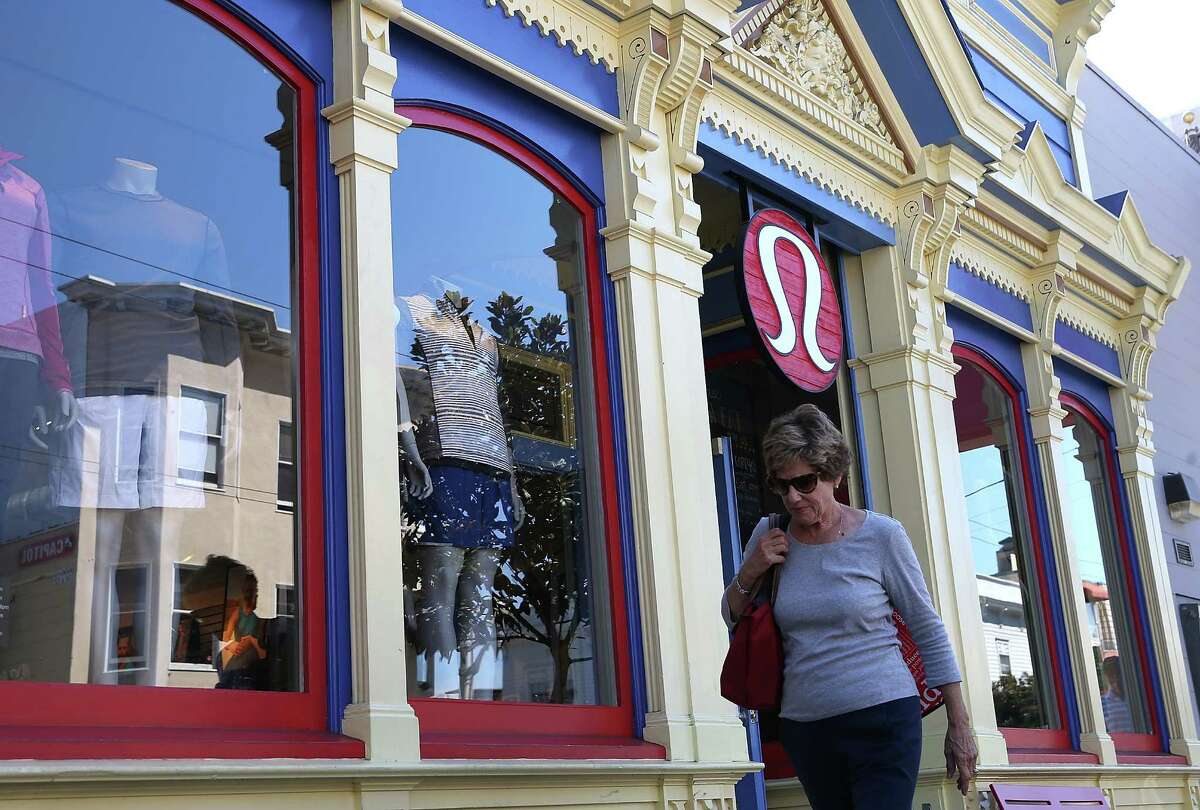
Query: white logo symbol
x=785, y=341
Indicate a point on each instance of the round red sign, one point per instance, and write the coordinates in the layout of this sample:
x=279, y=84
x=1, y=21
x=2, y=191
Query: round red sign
x=792, y=301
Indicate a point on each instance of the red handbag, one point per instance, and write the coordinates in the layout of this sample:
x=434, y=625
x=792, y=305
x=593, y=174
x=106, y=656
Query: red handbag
x=931, y=698
x=752, y=676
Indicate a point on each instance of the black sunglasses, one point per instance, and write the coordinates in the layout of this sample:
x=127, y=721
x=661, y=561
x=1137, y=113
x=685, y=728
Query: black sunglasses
x=803, y=484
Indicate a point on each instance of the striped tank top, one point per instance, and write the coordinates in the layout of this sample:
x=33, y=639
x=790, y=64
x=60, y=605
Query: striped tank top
x=462, y=363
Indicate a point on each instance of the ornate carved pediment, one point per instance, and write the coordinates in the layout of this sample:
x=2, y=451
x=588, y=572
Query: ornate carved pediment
x=798, y=38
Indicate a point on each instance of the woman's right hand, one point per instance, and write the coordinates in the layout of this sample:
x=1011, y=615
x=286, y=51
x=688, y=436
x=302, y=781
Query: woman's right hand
x=771, y=550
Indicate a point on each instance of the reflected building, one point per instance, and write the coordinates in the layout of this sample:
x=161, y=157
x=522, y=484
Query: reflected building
x=110, y=528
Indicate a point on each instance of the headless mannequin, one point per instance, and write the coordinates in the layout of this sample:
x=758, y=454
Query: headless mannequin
x=455, y=611
x=132, y=177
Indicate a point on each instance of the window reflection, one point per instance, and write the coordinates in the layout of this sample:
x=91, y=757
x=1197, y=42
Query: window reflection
x=146, y=276
x=505, y=557
x=1084, y=455
x=1013, y=628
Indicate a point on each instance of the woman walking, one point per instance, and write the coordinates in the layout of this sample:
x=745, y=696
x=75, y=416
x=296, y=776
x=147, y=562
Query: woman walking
x=850, y=719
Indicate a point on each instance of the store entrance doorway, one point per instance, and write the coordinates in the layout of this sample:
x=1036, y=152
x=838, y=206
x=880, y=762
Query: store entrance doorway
x=746, y=389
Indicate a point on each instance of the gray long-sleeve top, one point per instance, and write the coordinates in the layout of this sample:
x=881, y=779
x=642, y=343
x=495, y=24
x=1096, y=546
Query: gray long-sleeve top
x=834, y=611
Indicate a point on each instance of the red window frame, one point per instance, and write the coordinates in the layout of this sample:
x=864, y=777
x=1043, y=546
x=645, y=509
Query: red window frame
x=1133, y=745
x=81, y=721
x=498, y=729
x=1027, y=744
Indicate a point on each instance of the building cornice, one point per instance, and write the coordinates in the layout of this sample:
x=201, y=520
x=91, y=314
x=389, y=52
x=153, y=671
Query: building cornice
x=1032, y=174
x=784, y=142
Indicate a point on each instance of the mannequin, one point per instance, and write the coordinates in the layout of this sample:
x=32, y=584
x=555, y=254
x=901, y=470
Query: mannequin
x=36, y=400
x=471, y=511
x=146, y=255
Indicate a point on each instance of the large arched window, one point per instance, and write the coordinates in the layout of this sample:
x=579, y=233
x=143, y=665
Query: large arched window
x=1009, y=569
x=513, y=581
x=1106, y=567
x=161, y=391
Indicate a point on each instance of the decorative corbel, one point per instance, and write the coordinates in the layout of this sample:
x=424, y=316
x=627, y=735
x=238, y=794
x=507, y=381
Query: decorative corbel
x=645, y=57
x=1049, y=290
x=681, y=94
x=930, y=224
x=1050, y=284
x=1138, y=342
x=1079, y=20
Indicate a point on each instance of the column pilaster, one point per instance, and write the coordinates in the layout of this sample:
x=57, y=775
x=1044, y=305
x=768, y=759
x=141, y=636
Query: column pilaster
x=363, y=127
x=1046, y=417
x=1135, y=450
x=906, y=379
x=655, y=262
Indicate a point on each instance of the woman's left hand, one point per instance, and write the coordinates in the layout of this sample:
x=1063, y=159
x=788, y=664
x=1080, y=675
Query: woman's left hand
x=961, y=755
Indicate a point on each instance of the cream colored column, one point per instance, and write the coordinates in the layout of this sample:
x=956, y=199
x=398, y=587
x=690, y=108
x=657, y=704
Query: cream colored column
x=1135, y=448
x=363, y=127
x=1046, y=416
x=655, y=262
x=905, y=375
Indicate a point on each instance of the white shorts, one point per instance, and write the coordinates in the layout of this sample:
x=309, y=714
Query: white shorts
x=119, y=456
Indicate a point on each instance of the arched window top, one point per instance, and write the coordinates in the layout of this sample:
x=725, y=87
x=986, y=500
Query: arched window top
x=504, y=394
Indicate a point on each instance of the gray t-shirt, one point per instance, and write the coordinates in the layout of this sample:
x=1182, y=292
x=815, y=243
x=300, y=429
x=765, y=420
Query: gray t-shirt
x=834, y=610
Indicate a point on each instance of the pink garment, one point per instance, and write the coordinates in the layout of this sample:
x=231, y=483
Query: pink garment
x=28, y=309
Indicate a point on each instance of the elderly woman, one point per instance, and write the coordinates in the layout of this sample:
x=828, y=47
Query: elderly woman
x=851, y=719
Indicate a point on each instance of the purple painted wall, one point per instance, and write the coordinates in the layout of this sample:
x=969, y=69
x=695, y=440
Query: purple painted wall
x=1127, y=149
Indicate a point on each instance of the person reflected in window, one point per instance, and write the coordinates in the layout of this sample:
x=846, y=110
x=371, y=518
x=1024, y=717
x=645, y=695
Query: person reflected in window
x=1117, y=717
x=126, y=653
x=241, y=642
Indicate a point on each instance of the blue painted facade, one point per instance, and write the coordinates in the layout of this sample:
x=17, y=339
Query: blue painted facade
x=1024, y=27
x=430, y=74
x=1003, y=91
x=992, y=298
x=1087, y=348
x=1092, y=390
x=900, y=59
x=524, y=47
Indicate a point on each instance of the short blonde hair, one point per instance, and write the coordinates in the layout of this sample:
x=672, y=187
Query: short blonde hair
x=806, y=434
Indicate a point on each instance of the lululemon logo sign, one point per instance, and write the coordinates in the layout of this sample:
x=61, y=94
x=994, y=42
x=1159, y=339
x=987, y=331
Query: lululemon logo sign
x=791, y=299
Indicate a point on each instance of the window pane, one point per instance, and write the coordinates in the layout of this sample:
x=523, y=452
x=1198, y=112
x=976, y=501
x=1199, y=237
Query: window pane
x=1105, y=583
x=1022, y=685
x=201, y=412
x=147, y=271
x=505, y=559
x=287, y=449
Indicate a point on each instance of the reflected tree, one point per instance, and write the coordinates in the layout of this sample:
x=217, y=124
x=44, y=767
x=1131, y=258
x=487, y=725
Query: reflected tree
x=542, y=590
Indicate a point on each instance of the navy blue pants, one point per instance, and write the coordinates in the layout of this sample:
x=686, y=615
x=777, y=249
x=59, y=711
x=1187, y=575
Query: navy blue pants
x=863, y=760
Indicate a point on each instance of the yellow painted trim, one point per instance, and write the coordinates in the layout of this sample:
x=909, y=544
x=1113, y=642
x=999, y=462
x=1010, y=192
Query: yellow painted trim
x=1033, y=175
x=781, y=140
x=977, y=118
x=1034, y=75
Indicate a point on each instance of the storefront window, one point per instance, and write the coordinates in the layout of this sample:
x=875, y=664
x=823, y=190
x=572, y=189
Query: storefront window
x=147, y=344
x=1085, y=464
x=994, y=480
x=505, y=548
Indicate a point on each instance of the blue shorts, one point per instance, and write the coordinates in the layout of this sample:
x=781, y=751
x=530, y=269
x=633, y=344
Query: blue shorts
x=468, y=509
